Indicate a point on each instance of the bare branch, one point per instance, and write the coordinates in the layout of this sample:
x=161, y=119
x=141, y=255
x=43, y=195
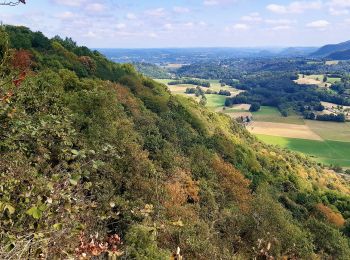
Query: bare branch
x=13, y=3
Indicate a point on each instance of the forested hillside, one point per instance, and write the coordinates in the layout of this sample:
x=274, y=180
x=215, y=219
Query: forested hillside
x=332, y=48
x=98, y=159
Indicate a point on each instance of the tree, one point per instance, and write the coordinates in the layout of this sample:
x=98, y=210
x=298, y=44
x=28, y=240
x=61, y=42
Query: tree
x=254, y=107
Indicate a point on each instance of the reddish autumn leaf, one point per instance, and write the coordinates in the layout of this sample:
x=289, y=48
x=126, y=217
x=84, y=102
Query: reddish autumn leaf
x=18, y=81
x=22, y=60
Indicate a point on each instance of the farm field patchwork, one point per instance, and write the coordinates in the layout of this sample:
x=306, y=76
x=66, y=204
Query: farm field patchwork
x=325, y=142
x=283, y=130
x=272, y=114
x=331, y=130
x=326, y=152
x=214, y=101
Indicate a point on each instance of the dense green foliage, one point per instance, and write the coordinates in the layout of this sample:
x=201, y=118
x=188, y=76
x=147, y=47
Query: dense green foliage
x=279, y=90
x=231, y=70
x=151, y=70
x=92, y=147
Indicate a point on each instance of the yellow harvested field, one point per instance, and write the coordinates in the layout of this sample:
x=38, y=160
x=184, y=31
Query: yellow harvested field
x=332, y=62
x=235, y=115
x=283, y=130
x=179, y=89
x=307, y=81
x=241, y=107
x=174, y=65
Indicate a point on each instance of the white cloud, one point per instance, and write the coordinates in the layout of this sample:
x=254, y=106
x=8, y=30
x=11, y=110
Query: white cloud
x=158, y=12
x=168, y=26
x=120, y=26
x=252, y=18
x=181, y=10
x=319, y=24
x=75, y=3
x=295, y=7
x=281, y=27
x=241, y=26
x=217, y=2
x=334, y=11
x=90, y=34
x=339, y=7
x=280, y=21
x=95, y=7
x=131, y=16
x=153, y=35
x=66, y=15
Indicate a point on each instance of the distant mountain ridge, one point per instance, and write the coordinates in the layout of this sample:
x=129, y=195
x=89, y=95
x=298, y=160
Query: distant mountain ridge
x=297, y=51
x=331, y=49
x=340, y=55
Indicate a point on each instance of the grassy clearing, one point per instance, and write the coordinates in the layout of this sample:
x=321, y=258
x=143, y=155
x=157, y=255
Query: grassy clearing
x=316, y=80
x=331, y=130
x=333, y=80
x=215, y=101
x=272, y=114
x=327, y=152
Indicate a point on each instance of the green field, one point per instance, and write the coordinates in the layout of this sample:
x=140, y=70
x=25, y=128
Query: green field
x=333, y=80
x=215, y=101
x=272, y=114
x=327, y=152
x=331, y=130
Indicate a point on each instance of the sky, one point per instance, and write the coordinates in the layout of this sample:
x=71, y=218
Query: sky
x=186, y=23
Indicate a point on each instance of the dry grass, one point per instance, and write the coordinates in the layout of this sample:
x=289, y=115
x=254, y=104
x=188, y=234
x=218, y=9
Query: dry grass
x=241, y=107
x=283, y=130
x=332, y=62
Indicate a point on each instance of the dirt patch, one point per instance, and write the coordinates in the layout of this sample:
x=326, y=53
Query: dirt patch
x=283, y=130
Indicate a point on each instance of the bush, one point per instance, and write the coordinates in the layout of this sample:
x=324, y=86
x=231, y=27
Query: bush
x=142, y=245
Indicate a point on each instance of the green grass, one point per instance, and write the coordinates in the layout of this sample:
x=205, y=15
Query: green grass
x=326, y=152
x=331, y=130
x=215, y=101
x=315, y=77
x=163, y=81
x=272, y=114
x=333, y=80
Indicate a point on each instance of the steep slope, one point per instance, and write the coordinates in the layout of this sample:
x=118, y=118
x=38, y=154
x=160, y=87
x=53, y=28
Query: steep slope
x=331, y=48
x=151, y=70
x=93, y=153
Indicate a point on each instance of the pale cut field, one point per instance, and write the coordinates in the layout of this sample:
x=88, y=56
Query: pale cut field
x=241, y=107
x=308, y=81
x=174, y=65
x=236, y=115
x=330, y=130
x=283, y=130
x=332, y=62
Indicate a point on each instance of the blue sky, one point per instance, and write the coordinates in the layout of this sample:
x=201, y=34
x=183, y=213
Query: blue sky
x=186, y=23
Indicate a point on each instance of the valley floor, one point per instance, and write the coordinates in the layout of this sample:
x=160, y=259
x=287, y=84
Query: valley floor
x=325, y=142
